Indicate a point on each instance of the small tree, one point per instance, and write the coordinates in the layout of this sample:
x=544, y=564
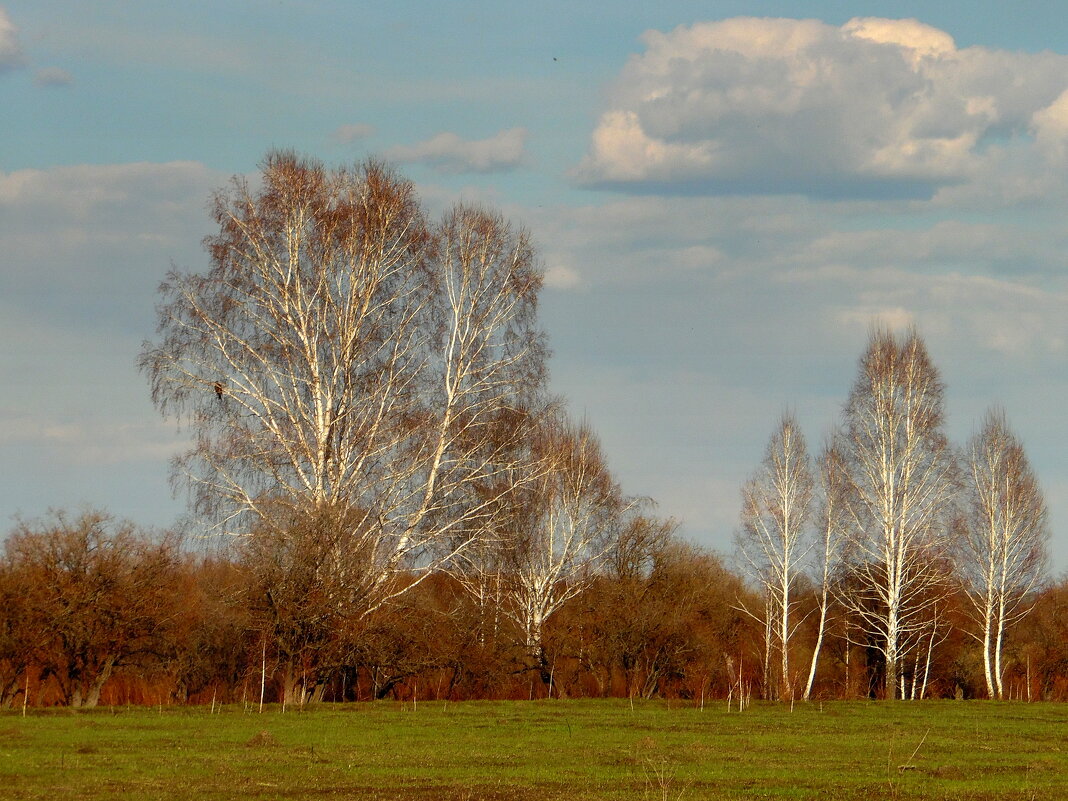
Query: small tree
x=831, y=526
x=1003, y=550
x=103, y=597
x=776, y=506
x=561, y=528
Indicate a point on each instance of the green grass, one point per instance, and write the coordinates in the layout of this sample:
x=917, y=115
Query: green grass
x=542, y=750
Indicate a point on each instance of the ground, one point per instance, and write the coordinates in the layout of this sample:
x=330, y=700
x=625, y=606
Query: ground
x=542, y=750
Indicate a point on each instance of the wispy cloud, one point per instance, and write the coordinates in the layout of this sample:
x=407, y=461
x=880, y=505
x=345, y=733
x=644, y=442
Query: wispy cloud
x=351, y=133
x=447, y=152
x=875, y=108
x=101, y=443
x=11, y=54
x=91, y=242
x=52, y=76
x=560, y=276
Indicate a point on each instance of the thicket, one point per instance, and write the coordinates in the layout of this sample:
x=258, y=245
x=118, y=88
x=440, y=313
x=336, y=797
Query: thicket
x=93, y=610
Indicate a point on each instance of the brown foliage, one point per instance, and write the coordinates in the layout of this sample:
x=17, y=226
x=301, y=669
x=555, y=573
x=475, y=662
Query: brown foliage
x=101, y=596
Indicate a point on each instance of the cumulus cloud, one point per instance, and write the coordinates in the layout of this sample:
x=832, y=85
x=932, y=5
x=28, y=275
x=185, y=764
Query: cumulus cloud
x=347, y=134
x=447, y=152
x=52, y=76
x=874, y=108
x=11, y=55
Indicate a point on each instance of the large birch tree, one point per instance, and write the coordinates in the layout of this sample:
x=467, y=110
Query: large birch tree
x=901, y=476
x=344, y=359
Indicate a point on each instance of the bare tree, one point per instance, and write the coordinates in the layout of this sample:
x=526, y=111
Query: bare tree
x=341, y=355
x=101, y=596
x=901, y=476
x=563, y=526
x=830, y=521
x=776, y=506
x=23, y=638
x=1003, y=552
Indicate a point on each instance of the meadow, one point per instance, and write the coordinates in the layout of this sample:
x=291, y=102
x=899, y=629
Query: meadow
x=585, y=749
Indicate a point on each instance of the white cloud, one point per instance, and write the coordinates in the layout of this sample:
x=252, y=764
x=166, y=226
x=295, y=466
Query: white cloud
x=919, y=41
x=52, y=76
x=895, y=318
x=447, y=152
x=560, y=276
x=347, y=134
x=11, y=55
x=84, y=188
x=874, y=108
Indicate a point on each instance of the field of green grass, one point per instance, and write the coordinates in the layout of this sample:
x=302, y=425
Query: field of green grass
x=541, y=750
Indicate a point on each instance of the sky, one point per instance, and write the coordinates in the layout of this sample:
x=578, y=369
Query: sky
x=725, y=197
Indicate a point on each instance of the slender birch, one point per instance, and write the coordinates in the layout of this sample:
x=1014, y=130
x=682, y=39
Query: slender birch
x=901, y=476
x=776, y=506
x=830, y=521
x=1003, y=553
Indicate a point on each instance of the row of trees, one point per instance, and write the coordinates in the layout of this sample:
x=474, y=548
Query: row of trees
x=890, y=522
x=93, y=610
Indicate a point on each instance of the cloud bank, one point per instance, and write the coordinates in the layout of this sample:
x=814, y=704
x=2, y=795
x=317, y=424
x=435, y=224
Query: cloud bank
x=875, y=108
x=448, y=153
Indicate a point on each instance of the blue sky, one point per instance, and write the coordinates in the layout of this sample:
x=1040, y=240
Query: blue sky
x=726, y=195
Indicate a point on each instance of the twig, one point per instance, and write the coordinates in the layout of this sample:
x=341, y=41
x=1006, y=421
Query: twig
x=908, y=762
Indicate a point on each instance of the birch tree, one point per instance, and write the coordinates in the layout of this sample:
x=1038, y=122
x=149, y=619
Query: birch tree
x=776, y=507
x=342, y=357
x=1003, y=552
x=830, y=527
x=901, y=476
x=563, y=527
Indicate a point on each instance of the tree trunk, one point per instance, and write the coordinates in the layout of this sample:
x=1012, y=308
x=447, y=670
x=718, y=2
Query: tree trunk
x=93, y=696
x=891, y=667
x=784, y=637
x=998, y=641
x=991, y=690
x=768, y=632
x=292, y=687
x=819, y=646
x=927, y=665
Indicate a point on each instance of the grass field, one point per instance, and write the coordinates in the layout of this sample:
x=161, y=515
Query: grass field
x=542, y=750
